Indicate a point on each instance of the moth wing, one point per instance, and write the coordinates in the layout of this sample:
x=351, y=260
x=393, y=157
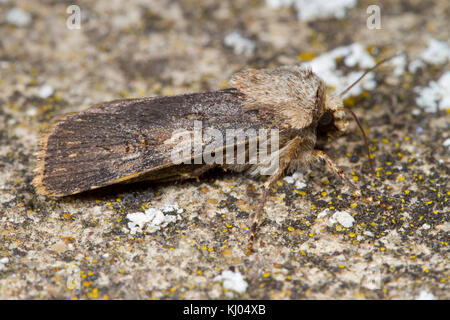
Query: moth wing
x=125, y=140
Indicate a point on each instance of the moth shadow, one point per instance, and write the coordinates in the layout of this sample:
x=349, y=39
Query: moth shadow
x=146, y=190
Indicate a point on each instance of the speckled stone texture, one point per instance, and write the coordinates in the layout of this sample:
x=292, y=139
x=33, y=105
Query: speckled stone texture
x=79, y=247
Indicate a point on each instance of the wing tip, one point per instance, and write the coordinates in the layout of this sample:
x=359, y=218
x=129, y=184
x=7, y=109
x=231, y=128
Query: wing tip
x=41, y=156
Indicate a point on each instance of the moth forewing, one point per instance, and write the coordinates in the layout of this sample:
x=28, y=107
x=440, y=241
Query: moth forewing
x=128, y=140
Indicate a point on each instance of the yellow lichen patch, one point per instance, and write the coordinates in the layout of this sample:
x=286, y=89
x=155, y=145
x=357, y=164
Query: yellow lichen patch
x=306, y=56
x=349, y=101
x=223, y=84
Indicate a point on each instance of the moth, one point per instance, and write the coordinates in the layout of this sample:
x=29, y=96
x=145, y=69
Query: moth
x=130, y=140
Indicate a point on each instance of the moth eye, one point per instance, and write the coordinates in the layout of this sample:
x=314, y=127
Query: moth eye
x=326, y=119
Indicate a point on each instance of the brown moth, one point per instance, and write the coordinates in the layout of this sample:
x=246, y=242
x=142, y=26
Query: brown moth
x=131, y=140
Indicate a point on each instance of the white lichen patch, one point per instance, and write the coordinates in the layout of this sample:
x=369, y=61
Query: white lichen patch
x=296, y=178
x=239, y=44
x=3, y=262
x=415, y=65
x=45, y=91
x=277, y=4
x=446, y=143
x=437, y=52
x=354, y=55
x=369, y=234
x=232, y=281
x=343, y=218
x=323, y=213
x=152, y=220
x=436, y=95
x=18, y=17
x=318, y=9
x=172, y=208
x=425, y=295
x=399, y=63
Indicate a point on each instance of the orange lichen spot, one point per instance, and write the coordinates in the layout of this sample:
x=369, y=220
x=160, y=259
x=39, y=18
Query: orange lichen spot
x=227, y=252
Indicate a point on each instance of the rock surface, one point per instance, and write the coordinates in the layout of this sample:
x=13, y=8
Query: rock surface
x=80, y=247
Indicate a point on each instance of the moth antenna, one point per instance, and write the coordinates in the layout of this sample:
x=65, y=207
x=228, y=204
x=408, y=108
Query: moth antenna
x=364, y=74
x=364, y=136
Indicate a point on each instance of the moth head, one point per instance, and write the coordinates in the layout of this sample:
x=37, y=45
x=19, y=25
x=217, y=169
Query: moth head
x=333, y=121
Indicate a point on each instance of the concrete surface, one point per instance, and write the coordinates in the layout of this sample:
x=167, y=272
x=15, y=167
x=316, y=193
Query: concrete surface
x=80, y=247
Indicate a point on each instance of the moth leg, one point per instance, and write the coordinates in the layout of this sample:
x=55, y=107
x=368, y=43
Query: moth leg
x=285, y=159
x=257, y=216
x=318, y=154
